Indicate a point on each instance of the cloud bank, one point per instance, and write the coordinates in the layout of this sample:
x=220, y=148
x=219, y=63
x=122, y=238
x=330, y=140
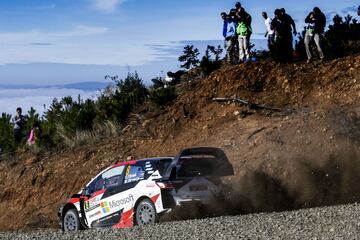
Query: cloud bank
x=10, y=99
x=106, y=6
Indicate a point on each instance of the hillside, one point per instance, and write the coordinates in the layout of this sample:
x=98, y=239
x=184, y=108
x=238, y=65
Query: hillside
x=306, y=155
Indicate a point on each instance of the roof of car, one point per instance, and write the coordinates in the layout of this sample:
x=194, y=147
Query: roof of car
x=153, y=159
x=140, y=160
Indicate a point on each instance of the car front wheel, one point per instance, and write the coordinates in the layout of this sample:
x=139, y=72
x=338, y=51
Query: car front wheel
x=145, y=213
x=71, y=221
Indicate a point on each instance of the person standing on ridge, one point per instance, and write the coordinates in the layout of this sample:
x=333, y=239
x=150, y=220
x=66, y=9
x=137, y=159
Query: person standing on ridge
x=18, y=122
x=233, y=12
x=242, y=16
x=270, y=33
x=244, y=32
x=280, y=47
x=289, y=30
x=316, y=21
x=229, y=33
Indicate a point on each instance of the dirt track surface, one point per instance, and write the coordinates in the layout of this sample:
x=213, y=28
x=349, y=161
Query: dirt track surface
x=283, y=160
x=340, y=222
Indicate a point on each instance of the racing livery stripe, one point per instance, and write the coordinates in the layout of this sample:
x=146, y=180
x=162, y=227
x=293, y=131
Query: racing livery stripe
x=95, y=194
x=155, y=198
x=127, y=220
x=124, y=163
x=74, y=200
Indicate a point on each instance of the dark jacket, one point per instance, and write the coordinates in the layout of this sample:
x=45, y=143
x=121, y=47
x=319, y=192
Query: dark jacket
x=244, y=16
x=289, y=23
x=279, y=27
x=319, y=20
x=18, y=122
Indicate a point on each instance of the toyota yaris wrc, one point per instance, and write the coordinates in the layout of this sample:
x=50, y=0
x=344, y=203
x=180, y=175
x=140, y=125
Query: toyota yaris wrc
x=137, y=192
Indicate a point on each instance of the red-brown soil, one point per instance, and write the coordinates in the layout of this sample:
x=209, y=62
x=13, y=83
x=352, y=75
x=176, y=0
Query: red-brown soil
x=296, y=148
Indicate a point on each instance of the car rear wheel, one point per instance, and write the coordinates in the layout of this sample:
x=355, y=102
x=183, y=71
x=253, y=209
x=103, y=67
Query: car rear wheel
x=145, y=213
x=71, y=221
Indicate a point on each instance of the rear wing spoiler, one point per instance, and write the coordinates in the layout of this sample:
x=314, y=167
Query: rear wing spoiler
x=215, y=152
x=219, y=160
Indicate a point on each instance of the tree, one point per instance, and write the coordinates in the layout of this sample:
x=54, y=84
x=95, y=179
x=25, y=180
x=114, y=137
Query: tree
x=190, y=57
x=128, y=94
x=337, y=20
x=216, y=51
x=208, y=63
x=348, y=19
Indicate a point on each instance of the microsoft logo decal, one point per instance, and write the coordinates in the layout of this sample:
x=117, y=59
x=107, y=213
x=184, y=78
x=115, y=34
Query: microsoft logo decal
x=105, y=207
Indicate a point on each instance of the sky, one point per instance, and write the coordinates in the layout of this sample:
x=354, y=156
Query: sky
x=54, y=42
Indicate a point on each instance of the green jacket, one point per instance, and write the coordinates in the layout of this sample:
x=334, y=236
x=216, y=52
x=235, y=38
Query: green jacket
x=243, y=30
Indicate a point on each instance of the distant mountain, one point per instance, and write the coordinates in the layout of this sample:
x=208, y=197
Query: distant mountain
x=85, y=86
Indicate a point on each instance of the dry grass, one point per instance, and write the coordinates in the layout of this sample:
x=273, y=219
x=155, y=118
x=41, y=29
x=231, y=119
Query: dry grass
x=79, y=138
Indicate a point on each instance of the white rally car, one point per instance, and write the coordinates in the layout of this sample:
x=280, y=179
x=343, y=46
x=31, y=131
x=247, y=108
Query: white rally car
x=136, y=192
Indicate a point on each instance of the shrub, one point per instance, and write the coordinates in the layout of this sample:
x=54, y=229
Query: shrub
x=209, y=64
x=128, y=94
x=7, y=143
x=163, y=96
x=157, y=82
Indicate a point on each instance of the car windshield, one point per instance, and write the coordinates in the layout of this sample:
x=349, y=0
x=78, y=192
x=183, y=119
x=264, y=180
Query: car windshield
x=198, y=166
x=163, y=165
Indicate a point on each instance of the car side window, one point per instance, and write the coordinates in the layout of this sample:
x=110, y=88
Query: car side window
x=99, y=185
x=111, y=178
x=134, y=173
x=95, y=185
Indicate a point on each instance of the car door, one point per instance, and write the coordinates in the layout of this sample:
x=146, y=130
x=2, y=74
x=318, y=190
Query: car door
x=97, y=209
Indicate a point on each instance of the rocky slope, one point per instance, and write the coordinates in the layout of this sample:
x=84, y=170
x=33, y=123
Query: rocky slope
x=305, y=155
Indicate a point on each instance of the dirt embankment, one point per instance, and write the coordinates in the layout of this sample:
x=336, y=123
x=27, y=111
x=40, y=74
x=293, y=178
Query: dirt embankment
x=304, y=157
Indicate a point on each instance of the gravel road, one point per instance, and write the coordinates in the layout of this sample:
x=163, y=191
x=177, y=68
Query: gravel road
x=339, y=222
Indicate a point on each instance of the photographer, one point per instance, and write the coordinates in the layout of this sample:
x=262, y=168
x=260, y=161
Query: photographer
x=18, y=122
x=316, y=21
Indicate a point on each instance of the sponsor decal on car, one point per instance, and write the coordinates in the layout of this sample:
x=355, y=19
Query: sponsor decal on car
x=111, y=219
x=105, y=207
x=127, y=170
x=120, y=202
x=134, y=177
x=92, y=203
x=91, y=208
x=95, y=214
